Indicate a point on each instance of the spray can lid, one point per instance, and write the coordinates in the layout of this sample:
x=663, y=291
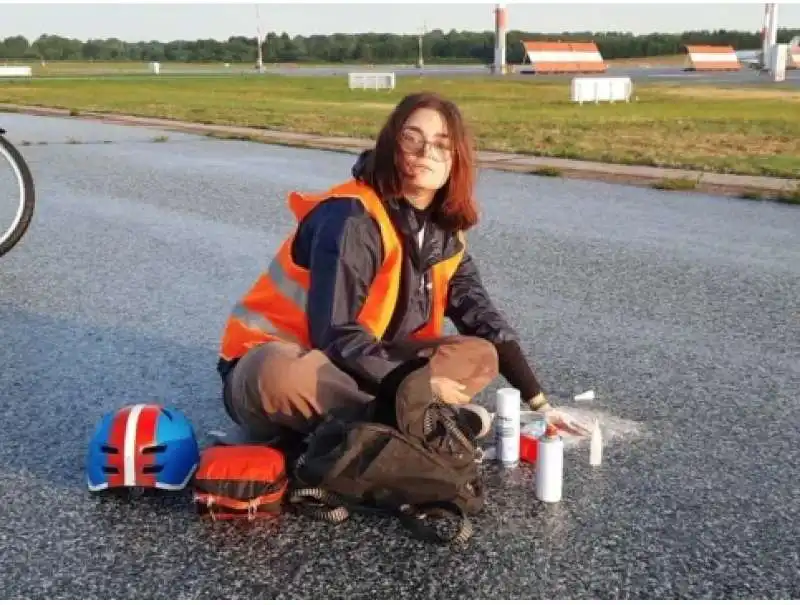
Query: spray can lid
x=551, y=432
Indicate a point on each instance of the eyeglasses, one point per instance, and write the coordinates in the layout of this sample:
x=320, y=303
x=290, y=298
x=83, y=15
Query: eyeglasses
x=413, y=142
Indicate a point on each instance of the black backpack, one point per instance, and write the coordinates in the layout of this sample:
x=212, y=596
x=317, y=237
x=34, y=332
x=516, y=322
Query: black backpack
x=407, y=457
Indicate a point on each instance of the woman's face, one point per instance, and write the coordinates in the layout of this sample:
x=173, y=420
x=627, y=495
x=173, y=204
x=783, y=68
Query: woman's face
x=426, y=150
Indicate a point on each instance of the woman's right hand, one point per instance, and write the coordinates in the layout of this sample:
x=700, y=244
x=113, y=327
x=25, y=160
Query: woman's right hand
x=556, y=417
x=449, y=391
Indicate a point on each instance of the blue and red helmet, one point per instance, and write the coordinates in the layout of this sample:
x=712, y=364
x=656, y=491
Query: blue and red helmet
x=142, y=445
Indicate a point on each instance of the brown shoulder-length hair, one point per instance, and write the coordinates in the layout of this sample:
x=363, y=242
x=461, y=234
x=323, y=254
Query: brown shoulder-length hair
x=454, y=205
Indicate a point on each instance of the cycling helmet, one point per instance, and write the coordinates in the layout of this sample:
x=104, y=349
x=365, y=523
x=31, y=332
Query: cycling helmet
x=142, y=445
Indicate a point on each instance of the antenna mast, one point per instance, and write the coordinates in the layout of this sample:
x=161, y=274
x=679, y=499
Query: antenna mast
x=260, y=59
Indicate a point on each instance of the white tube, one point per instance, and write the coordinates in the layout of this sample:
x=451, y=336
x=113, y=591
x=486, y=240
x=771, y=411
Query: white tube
x=587, y=396
x=596, y=445
x=507, y=419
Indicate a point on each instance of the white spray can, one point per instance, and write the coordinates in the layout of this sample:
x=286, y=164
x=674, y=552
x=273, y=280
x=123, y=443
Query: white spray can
x=507, y=418
x=550, y=466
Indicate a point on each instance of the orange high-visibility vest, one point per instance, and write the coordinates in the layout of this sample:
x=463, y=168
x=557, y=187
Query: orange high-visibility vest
x=275, y=306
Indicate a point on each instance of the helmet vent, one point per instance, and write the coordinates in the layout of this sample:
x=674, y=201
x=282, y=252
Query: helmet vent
x=155, y=468
x=107, y=449
x=111, y=470
x=154, y=449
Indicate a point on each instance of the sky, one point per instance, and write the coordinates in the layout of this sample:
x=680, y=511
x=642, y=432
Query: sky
x=164, y=22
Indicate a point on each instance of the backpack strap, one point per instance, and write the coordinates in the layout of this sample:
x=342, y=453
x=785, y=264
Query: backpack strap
x=412, y=519
x=321, y=504
x=313, y=501
x=238, y=436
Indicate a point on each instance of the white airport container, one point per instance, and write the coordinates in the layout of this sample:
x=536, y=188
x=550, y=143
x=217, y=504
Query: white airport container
x=15, y=71
x=375, y=81
x=778, y=59
x=595, y=90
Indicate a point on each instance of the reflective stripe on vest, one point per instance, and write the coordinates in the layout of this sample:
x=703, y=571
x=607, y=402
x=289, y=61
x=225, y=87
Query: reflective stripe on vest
x=275, y=306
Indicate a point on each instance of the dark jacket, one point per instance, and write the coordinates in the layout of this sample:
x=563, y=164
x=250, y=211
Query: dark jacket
x=340, y=243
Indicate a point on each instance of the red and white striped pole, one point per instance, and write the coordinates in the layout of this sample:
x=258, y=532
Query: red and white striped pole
x=500, y=39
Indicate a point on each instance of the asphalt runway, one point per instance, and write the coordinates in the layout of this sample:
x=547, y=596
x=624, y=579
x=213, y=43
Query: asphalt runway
x=680, y=310
x=643, y=73
x=638, y=73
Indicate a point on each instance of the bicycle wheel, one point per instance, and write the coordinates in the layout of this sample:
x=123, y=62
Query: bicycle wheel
x=17, y=198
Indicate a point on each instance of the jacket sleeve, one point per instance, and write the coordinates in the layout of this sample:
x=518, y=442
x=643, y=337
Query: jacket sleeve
x=343, y=249
x=471, y=309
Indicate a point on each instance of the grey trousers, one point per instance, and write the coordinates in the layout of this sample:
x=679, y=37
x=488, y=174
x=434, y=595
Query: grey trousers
x=282, y=385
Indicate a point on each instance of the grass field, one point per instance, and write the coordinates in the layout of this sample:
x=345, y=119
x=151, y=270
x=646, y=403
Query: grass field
x=745, y=131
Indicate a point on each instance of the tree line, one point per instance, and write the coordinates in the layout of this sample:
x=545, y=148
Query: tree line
x=437, y=46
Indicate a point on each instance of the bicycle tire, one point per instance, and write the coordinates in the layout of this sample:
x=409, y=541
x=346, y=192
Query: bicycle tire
x=10, y=237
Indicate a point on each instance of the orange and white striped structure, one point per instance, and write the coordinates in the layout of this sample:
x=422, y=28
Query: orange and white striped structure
x=711, y=58
x=563, y=57
x=500, y=26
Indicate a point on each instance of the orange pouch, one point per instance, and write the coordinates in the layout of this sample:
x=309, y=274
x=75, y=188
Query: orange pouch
x=240, y=481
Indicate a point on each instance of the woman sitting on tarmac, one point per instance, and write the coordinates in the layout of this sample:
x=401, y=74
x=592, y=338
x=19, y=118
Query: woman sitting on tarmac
x=365, y=282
